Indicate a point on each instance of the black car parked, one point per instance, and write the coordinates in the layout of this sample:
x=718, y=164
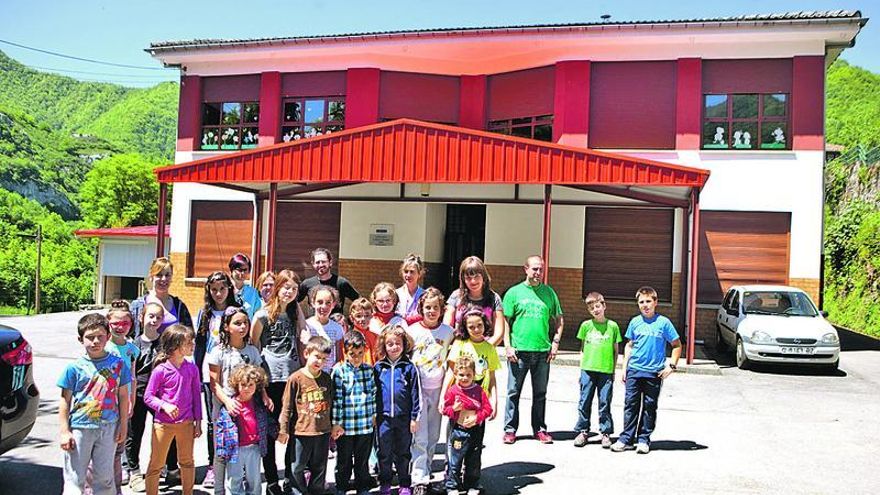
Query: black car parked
x=19, y=397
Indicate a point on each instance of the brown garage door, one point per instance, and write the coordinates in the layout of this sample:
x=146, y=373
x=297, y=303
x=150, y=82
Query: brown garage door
x=739, y=247
x=302, y=227
x=218, y=229
x=626, y=248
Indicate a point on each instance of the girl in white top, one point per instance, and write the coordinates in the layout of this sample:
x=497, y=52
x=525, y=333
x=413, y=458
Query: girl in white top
x=323, y=299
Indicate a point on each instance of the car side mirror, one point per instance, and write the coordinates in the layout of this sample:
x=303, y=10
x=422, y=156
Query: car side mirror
x=733, y=311
x=824, y=313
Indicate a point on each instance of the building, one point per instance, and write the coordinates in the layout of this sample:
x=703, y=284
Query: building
x=590, y=143
x=123, y=256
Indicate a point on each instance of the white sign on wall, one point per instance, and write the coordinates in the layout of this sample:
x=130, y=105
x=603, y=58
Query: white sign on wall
x=381, y=234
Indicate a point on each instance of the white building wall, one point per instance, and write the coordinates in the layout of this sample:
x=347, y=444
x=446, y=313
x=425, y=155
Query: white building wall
x=408, y=221
x=126, y=258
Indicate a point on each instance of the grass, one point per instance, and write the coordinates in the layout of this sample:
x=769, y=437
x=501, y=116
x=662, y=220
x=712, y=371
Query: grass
x=12, y=310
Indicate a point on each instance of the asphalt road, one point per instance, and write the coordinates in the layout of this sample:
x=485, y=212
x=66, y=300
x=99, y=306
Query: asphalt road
x=773, y=430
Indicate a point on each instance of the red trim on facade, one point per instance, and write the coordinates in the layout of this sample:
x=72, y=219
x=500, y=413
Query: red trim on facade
x=688, y=103
x=306, y=84
x=807, y=103
x=693, y=274
x=403, y=151
x=270, y=108
x=240, y=88
x=571, y=103
x=189, y=118
x=139, y=231
x=760, y=75
x=472, y=110
x=361, y=97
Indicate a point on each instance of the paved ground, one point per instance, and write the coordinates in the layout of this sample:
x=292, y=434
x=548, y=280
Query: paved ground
x=784, y=430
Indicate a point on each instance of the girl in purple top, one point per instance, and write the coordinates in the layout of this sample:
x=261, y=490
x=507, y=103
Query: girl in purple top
x=173, y=395
x=475, y=292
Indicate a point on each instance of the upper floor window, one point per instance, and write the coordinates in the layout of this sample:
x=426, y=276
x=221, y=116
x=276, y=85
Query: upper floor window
x=308, y=117
x=540, y=127
x=745, y=121
x=230, y=125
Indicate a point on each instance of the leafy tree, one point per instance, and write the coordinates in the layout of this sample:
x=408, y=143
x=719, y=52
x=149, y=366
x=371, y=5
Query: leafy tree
x=852, y=106
x=120, y=191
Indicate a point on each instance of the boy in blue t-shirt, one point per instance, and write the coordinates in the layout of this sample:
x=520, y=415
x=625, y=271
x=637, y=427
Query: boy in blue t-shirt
x=93, y=391
x=644, y=369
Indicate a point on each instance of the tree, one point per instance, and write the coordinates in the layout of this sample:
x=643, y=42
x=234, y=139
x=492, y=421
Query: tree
x=120, y=191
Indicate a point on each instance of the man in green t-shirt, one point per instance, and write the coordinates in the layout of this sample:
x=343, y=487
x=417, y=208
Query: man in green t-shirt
x=600, y=336
x=530, y=307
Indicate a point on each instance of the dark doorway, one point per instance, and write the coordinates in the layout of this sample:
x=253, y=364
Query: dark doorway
x=129, y=288
x=465, y=236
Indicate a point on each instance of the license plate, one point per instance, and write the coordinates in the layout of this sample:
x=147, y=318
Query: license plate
x=796, y=350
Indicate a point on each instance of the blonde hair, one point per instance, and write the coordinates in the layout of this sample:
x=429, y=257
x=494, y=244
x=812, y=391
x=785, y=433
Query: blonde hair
x=360, y=304
x=415, y=261
x=160, y=265
x=464, y=362
x=384, y=286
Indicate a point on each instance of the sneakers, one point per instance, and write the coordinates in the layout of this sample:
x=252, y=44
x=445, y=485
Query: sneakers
x=620, y=447
x=606, y=441
x=581, y=439
x=473, y=491
x=208, y=482
x=642, y=448
x=420, y=490
x=404, y=490
x=136, y=483
x=173, y=477
x=451, y=492
x=384, y=489
x=543, y=437
x=509, y=437
x=125, y=477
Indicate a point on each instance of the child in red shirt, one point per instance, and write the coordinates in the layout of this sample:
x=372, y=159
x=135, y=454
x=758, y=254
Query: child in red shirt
x=467, y=404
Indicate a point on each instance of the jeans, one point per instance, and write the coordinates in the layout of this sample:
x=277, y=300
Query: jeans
x=311, y=455
x=463, y=451
x=425, y=439
x=163, y=435
x=395, y=440
x=96, y=445
x=536, y=363
x=136, y=427
x=270, y=467
x=209, y=419
x=353, y=453
x=247, y=468
x=641, y=394
x=590, y=382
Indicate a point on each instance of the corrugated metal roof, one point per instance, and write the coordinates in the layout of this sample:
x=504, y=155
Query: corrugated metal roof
x=139, y=231
x=411, y=151
x=822, y=15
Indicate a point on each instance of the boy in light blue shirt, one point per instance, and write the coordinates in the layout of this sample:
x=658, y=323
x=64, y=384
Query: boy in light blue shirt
x=644, y=369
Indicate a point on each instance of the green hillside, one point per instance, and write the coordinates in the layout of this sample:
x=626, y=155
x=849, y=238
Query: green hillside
x=852, y=106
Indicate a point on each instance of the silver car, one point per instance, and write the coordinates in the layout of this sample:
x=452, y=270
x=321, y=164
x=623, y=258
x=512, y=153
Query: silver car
x=775, y=324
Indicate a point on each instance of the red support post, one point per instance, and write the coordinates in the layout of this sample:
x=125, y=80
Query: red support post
x=571, y=103
x=689, y=103
x=361, y=97
x=190, y=113
x=270, y=108
x=160, y=224
x=258, y=242
x=545, y=237
x=693, y=272
x=273, y=212
x=472, y=102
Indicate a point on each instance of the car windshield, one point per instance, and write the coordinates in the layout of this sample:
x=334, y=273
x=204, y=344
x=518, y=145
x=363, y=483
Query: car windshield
x=778, y=303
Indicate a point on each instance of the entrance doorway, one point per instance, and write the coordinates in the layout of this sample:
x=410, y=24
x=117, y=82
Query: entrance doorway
x=465, y=236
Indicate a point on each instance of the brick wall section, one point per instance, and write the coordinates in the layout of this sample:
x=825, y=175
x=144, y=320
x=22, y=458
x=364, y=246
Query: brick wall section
x=192, y=292
x=365, y=274
x=808, y=285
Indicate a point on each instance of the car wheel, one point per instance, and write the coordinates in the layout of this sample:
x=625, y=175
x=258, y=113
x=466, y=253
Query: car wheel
x=742, y=361
x=720, y=345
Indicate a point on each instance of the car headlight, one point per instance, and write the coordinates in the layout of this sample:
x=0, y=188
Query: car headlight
x=759, y=337
x=830, y=338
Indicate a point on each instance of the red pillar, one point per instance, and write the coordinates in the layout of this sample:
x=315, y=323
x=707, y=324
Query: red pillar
x=808, y=103
x=472, y=100
x=361, y=97
x=688, y=103
x=273, y=212
x=160, y=224
x=571, y=103
x=270, y=108
x=545, y=237
x=190, y=113
x=693, y=272
x=258, y=242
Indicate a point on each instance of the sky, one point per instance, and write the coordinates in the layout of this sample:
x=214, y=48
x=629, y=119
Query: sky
x=118, y=31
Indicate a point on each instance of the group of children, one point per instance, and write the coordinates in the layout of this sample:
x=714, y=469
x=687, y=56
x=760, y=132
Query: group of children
x=377, y=389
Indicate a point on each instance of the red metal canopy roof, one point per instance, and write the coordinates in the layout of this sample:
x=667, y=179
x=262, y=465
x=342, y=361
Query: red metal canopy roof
x=139, y=231
x=405, y=150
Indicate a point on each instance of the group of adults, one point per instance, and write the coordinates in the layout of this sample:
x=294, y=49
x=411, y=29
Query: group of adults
x=528, y=320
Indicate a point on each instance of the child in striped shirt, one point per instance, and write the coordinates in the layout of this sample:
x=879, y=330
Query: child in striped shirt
x=354, y=415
